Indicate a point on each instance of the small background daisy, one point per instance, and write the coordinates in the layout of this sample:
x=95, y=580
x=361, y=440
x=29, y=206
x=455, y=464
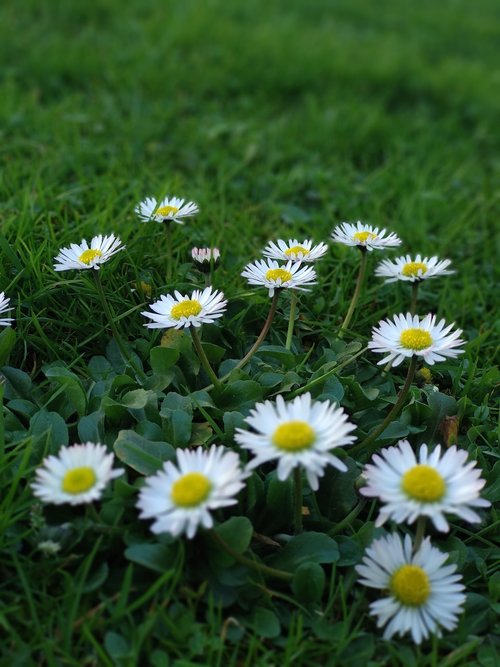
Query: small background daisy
x=364, y=236
x=412, y=270
x=178, y=311
x=85, y=256
x=169, y=208
x=4, y=308
x=302, y=251
x=268, y=273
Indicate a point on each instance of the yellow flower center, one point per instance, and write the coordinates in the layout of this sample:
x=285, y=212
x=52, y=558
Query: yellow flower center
x=191, y=489
x=295, y=250
x=412, y=269
x=278, y=274
x=185, y=309
x=415, y=339
x=410, y=585
x=363, y=237
x=88, y=255
x=294, y=436
x=423, y=482
x=78, y=480
x=165, y=211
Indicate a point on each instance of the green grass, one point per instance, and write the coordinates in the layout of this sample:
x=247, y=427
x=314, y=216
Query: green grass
x=280, y=120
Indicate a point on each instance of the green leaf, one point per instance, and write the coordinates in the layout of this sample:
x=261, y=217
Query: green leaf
x=308, y=583
x=393, y=431
x=309, y=547
x=116, y=645
x=264, y=623
x=135, y=399
x=74, y=392
x=358, y=652
x=19, y=383
x=7, y=342
x=350, y=551
x=237, y=533
x=49, y=427
x=337, y=494
x=145, y=456
x=157, y=557
x=278, y=512
x=441, y=406
x=178, y=428
x=239, y=395
x=162, y=359
x=91, y=427
x=276, y=353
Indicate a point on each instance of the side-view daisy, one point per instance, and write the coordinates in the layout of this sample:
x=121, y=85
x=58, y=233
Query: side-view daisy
x=178, y=311
x=4, y=308
x=85, y=256
x=412, y=270
x=301, y=432
x=364, y=236
x=408, y=335
x=180, y=497
x=77, y=475
x=205, y=255
x=302, y=251
x=272, y=275
x=169, y=208
x=427, y=485
x=422, y=594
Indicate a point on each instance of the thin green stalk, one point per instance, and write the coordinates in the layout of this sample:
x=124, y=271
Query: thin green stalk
x=297, y=499
x=203, y=358
x=248, y=562
x=2, y=434
x=419, y=533
x=414, y=295
x=111, y=320
x=326, y=375
x=261, y=337
x=346, y=521
x=357, y=292
x=291, y=321
x=168, y=230
x=393, y=413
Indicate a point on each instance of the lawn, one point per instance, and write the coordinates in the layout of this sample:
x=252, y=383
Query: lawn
x=280, y=120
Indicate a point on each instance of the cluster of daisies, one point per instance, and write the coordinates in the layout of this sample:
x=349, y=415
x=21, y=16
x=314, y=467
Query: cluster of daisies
x=421, y=594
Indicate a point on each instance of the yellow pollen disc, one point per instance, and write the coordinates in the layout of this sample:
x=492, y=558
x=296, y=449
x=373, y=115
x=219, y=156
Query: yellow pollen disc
x=191, y=489
x=88, y=255
x=295, y=250
x=415, y=339
x=422, y=482
x=410, y=585
x=294, y=436
x=78, y=480
x=278, y=274
x=185, y=309
x=363, y=237
x=412, y=269
x=165, y=211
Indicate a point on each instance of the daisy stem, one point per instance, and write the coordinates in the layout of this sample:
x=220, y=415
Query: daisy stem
x=297, y=499
x=346, y=521
x=111, y=320
x=2, y=435
x=393, y=413
x=357, y=292
x=168, y=230
x=262, y=335
x=248, y=562
x=414, y=294
x=203, y=358
x=419, y=533
x=291, y=321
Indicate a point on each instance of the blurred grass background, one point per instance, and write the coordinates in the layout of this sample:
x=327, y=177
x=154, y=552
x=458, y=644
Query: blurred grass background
x=280, y=119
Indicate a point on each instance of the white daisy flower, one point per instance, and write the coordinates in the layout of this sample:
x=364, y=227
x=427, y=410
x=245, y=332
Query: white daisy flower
x=169, y=208
x=429, y=485
x=84, y=256
x=205, y=255
x=202, y=307
x=407, y=335
x=77, y=475
x=180, y=498
x=298, y=433
x=412, y=270
x=272, y=275
x=422, y=593
x=296, y=251
x=4, y=308
x=364, y=236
